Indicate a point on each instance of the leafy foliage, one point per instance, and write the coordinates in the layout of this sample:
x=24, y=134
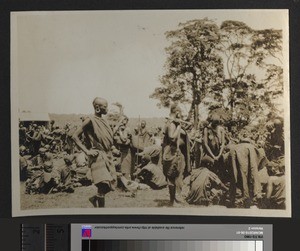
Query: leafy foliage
x=230, y=69
x=193, y=65
x=247, y=52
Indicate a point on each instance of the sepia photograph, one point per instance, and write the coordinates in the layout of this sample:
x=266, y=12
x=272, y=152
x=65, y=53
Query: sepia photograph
x=153, y=112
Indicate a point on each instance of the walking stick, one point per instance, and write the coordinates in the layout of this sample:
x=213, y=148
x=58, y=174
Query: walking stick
x=138, y=143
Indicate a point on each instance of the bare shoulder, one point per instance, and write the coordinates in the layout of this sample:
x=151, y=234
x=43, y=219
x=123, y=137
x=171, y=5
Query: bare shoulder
x=86, y=122
x=84, y=126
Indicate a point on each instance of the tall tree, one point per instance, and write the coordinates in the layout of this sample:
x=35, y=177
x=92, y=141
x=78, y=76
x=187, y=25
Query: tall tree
x=193, y=66
x=232, y=69
x=247, y=52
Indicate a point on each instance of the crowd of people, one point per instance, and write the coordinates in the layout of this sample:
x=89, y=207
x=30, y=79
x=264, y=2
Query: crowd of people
x=238, y=171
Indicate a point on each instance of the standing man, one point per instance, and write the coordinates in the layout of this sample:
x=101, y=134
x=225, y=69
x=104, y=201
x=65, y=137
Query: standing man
x=176, y=159
x=144, y=136
x=122, y=139
x=36, y=139
x=99, y=135
x=275, y=139
x=214, y=145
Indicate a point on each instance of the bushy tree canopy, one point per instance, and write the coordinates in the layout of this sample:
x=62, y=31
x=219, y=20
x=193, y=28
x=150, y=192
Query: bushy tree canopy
x=231, y=67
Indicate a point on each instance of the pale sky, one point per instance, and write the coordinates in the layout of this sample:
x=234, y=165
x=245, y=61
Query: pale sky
x=61, y=61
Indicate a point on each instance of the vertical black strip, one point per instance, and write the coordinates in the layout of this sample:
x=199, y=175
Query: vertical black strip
x=5, y=167
x=85, y=245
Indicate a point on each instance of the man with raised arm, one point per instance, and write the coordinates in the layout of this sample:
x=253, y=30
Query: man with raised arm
x=99, y=137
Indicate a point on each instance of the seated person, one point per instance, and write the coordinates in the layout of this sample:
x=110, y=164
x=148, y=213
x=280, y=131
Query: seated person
x=64, y=176
x=152, y=173
x=42, y=179
x=40, y=176
x=43, y=156
x=23, y=164
x=275, y=191
x=205, y=186
x=83, y=172
x=49, y=178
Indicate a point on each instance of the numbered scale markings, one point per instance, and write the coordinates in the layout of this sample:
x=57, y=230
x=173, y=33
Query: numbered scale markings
x=48, y=237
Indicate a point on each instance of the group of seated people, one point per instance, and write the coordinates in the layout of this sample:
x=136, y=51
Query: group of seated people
x=240, y=174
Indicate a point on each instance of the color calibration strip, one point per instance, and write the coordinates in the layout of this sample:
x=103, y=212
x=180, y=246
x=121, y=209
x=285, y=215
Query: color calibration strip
x=168, y=245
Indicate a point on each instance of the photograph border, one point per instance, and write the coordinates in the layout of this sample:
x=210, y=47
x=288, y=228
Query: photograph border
x=16, y=210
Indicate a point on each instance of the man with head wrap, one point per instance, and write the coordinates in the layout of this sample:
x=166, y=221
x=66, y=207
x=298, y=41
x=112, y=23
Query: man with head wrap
x=100, y=137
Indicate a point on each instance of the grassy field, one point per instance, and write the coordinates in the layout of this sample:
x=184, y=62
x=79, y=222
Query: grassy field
x=79, y=199
x=115, y=199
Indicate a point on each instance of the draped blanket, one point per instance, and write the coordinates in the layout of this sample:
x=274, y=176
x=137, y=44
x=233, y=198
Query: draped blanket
x=102, y=168
x=204, y=187
x=103, y=134
x=245, y=160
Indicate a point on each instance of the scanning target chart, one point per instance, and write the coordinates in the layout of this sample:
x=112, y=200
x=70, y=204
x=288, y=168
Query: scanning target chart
x=159, y=245
x=148, y=237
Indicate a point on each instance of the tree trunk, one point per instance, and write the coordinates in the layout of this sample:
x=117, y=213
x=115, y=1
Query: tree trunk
x=196, y=102
x=196, y=115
